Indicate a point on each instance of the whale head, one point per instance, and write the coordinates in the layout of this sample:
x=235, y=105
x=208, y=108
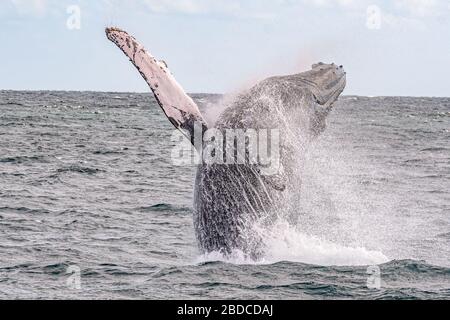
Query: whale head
x=326, y=82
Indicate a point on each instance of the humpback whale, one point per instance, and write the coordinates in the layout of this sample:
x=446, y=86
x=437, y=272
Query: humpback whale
x=232, y=198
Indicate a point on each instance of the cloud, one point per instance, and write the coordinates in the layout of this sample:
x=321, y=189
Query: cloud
x=193, y=6
x=33, y=7
x=402, y=23
x=409, y=13
x=235, y=7
x=414, y=14
x=330, y=3
x=420, y=8
x=262, y=9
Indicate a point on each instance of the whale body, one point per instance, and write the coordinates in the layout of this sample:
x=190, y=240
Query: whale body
x=232, y=197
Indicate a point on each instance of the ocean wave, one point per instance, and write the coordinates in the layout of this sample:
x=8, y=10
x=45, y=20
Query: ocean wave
x=162, y=207
x=80, y=169
x=21, y=159
x=434, y=149
x=107, y=152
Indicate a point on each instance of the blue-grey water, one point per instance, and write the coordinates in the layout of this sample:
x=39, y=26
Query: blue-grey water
x=92, y=207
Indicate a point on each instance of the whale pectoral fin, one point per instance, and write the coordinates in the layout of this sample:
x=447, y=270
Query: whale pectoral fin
x=179, y=108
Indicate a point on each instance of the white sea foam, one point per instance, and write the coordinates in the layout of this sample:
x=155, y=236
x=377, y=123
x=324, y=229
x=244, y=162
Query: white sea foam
x=327, y=219
x=284, y=242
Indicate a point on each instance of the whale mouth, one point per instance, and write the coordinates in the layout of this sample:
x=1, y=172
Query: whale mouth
x=327, y=88
x=328, y=95
x=336, y=88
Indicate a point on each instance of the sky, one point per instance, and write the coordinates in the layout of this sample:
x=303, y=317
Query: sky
x=395, y=47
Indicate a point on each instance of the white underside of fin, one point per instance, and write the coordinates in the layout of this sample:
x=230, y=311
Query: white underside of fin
x=176, y=104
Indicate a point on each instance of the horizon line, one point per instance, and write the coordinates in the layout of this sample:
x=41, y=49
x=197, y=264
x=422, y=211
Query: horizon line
x=204, y=93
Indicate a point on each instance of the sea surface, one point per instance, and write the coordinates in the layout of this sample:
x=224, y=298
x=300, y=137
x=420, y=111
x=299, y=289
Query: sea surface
x=91, y=206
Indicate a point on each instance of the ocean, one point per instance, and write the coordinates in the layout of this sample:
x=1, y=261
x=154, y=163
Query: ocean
x=91, y=206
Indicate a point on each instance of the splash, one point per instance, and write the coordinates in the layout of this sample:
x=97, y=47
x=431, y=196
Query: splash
x=285, y=242
x=212, y=111
x=327, y=218
x=325, y=215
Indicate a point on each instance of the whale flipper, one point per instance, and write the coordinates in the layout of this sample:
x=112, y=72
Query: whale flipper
x=179, y=108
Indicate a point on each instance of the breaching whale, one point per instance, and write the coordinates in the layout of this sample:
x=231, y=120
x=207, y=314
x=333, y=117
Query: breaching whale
x=232, y=197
